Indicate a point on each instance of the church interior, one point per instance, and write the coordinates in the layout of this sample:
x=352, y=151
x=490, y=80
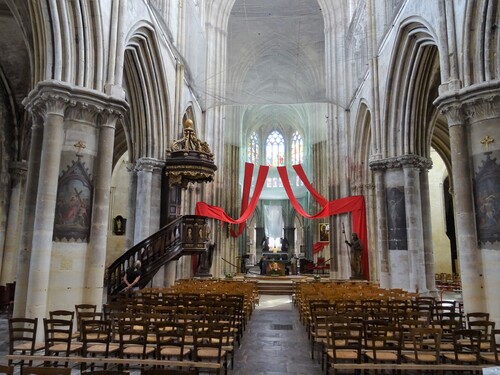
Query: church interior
x=316, y=148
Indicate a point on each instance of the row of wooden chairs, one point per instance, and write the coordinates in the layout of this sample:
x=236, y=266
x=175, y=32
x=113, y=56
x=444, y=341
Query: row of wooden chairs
x=48, y=370
x=355, y=343
x=129, y=335
x=61, y=337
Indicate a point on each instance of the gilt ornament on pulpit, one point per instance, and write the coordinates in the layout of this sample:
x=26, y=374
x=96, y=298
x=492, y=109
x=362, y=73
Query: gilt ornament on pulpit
x=189, y=159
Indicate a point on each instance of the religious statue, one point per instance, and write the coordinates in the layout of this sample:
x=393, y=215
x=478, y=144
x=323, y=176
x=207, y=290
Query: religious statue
x=284, y=244
x=356, y=253
x=265, y=244
x=205, y=261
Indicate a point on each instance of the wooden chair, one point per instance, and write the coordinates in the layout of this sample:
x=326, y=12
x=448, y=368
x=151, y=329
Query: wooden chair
x=62, y=314
x=7, y=370
x=406, y=326
x=383, y=344
x=475, y=316
x=209, y=339
x=426, y=346
x=58, y=338
x=486, y=327
x=170, y=340
x=22, y=338
x=448, y=327
x=493, y=355
x=466, y=347
x=319, y=325
x=344, y=344
x=444, y=307
x=97, y=338
x=133, y=339
x=45, y=371
x=82, y=316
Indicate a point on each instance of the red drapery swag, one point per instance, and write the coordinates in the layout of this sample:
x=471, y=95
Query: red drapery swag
x=215, y=212
x=247, y=183
x=354, y=204
x=318, y=246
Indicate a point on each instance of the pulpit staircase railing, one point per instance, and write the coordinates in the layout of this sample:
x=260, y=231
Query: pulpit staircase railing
x=185, y=235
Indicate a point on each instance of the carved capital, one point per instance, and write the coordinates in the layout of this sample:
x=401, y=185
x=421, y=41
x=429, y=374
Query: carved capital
x=72, y=101
x=471, y=104
x=485, y=107
x=18, y=170
x=149, y=165
x=82, y=111
x=400, y=162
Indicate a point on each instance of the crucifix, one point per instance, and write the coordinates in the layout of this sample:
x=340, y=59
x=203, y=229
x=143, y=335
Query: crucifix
x=486, y=142
x=79, y=147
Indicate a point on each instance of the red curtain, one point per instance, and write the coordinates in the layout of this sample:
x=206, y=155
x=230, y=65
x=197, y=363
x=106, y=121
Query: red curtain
x=354, y=204
x=247, y=184
x=215, y=212
x=318, y=246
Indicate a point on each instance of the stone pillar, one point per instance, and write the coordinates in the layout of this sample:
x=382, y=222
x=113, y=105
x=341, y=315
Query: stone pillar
x=40, y=262
x=427, y=232
x=146, y=208
x=96, y=254
x=170, y=273
x=23, y=263
x=470, y=263
x=473, y=114
x=132, y=196
x=382, y=244
x=11, y=247
x=414, y=226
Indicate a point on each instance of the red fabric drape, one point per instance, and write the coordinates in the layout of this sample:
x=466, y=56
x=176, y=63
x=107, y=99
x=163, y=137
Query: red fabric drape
x=247, y=184
x=302, y=175
x=318, y=246
x=204, y=209
x=354, y=204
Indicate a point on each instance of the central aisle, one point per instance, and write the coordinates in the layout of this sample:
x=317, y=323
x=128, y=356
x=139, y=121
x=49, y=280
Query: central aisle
x=275, y=342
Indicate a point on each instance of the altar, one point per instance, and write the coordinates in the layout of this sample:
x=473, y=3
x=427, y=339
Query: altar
x=276, y=263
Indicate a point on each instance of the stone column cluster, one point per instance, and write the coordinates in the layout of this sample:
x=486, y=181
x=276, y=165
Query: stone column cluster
x=63, y=115
x=473, y=115
x=405, y=263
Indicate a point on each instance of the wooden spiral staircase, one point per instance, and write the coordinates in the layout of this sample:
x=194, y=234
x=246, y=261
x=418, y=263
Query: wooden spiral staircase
x=185, y=235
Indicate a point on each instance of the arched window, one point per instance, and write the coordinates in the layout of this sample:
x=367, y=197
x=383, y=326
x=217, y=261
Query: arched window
x=297, y=149
x=253, y=148
x=275, y=149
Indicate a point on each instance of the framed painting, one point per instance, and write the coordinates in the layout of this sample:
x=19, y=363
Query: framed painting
x=324, y=232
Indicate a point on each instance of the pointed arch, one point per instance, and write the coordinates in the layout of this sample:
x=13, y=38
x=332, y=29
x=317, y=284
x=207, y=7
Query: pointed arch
x=146, y=88
x=412, y=87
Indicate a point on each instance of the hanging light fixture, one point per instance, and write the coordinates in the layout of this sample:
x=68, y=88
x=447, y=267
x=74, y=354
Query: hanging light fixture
x=189, y=159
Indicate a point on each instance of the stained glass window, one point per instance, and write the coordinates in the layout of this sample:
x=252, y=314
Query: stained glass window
x=275, y=149
x=297, y=148
x=253, y=148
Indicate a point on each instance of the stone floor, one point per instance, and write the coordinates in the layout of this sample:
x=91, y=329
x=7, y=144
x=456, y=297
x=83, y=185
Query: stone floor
x=274, y=343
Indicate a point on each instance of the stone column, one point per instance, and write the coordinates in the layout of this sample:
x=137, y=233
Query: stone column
x=144, y=207
x=414, y=224
x=427, y=232
x=382, y=236
x=470, y=261
x=132, y=196
x=473, y=114
x=11, y=247
x=50, y=158
x=96, y=254
x=23, y=262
